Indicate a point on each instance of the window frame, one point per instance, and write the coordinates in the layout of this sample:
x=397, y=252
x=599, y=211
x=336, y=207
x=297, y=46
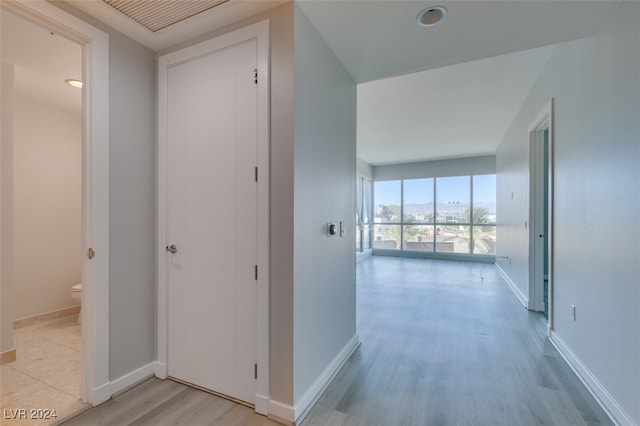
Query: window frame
x=434, y=222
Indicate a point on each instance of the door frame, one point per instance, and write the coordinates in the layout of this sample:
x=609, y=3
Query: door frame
x=95, y=387
x=544, y=121
x=260, y=32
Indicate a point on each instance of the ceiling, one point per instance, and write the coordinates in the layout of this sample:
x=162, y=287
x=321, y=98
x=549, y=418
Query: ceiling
x=455, y=87
x=42, y=63
x=448, y=91
x=450, y=112
x=377, y=39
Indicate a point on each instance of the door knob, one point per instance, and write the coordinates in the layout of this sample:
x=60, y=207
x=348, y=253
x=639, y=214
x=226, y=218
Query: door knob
x=172, y=249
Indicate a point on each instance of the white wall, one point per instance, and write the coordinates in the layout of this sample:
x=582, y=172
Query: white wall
x=6, y=206
x=47, y=207
x=132, y=213
x=438, y=168
x=132, y=204
x=325, y=171
x=596, y=86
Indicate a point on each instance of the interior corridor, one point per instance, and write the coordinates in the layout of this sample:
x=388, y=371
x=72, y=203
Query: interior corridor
x=441, y=346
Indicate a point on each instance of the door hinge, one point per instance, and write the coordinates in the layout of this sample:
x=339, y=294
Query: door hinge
x=255, y=76
x=255, y=371
x=256, y=272
x=256, y=173
x=91, y=253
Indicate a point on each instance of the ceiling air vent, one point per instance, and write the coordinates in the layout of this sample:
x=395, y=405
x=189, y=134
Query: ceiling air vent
x=158, y=14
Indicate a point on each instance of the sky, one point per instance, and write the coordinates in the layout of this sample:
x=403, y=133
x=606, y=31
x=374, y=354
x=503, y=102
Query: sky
x=450, y=189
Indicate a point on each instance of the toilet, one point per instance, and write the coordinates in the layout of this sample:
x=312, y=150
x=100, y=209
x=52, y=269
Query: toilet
x=76, y=296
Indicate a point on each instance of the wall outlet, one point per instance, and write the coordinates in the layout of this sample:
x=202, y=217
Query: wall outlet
x=573, y=312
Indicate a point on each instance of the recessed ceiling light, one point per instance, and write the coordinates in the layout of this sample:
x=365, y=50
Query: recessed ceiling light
x=432, y=16
x=74, y=83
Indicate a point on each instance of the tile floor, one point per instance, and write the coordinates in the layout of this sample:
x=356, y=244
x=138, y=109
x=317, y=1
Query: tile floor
x=46, y=373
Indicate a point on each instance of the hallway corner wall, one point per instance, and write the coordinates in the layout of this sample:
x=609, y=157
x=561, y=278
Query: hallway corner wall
x=595, y=84
x=325, y=173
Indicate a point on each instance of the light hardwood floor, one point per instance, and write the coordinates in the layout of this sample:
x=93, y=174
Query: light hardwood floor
x=165, y=402
x=442, y=347
x=439, y=347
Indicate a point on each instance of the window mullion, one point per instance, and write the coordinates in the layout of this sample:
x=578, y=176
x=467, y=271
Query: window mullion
x=435, y=220
x=401, y=214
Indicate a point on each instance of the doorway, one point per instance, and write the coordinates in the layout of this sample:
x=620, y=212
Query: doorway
x=93, y=186
x=541, y=213
x=213, y=273
x=46, y=210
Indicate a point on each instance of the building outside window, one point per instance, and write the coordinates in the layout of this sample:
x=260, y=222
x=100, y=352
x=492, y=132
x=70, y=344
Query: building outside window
x=443, y=214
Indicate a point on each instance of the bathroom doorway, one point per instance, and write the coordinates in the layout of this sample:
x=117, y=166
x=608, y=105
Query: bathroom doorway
x=95, y=193
x=46, y=218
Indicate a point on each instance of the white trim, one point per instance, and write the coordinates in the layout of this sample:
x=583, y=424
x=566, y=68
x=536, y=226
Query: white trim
x=95, y=227
x=102, y=392
x=281, y=410
x=260, y=32
x=311, y=396
x=262, y=404
x=542, y=122
x=263, y=294
x=133, y=378
x=160, y=370
x=613, y=409
x=514, y=288
x=297, y=413
x=550, y=205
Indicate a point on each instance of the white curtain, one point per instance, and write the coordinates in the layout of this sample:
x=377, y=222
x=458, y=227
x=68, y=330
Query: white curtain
x=367, y=207
x=359, y=216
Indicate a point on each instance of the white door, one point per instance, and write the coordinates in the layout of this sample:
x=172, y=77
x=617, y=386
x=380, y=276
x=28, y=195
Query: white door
x=211, y=220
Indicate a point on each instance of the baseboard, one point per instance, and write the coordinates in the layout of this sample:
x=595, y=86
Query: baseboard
x=285, y=413
x=133, y=378
x=100, y=394
x=48, y=316
x=311, y=396
x=160, y=370
x=262, y=404
x=281, y=411
x=7, y=356
x=514, y=288
x=615, y=412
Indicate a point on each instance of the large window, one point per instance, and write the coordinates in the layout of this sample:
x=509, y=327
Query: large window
x=444, y=214
x=484, y=214
x=386, y=229
x=418, y=209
